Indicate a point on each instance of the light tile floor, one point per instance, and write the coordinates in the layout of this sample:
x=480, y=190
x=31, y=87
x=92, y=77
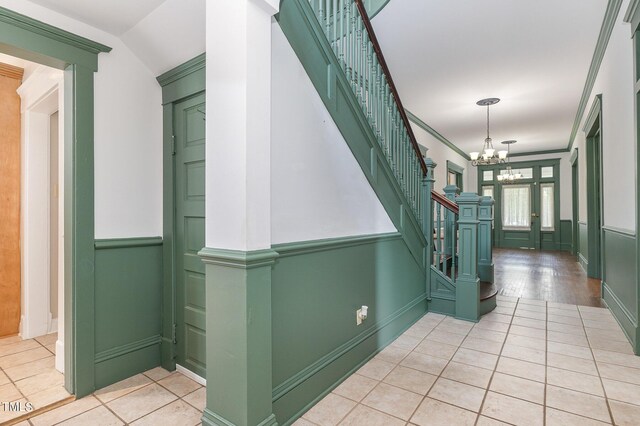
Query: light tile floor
x=28, y=375
x=528, y=362
x=154, y=398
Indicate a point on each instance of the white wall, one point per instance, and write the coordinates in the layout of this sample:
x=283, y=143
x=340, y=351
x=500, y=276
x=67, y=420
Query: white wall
x=128, y=133
x=318, y=189
x=440, y=153
x=615, y=82
x=565, y=179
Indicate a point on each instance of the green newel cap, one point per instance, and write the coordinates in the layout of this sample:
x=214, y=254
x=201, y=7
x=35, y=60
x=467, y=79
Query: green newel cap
x=450, y=189
x=486, y=201
x=468, y=197
x=430, y=163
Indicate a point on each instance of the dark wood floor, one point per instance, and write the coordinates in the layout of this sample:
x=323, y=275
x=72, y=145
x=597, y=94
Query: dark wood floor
x=554, y=276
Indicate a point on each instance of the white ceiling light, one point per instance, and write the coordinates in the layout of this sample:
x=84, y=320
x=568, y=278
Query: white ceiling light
x=488, y=154
x=508, y=175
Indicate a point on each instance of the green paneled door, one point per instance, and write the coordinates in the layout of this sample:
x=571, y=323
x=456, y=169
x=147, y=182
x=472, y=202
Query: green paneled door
x=189, y=139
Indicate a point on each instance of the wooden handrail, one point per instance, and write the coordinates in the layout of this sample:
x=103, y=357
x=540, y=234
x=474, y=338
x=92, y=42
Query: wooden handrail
x=392, y=86
x=447, y=203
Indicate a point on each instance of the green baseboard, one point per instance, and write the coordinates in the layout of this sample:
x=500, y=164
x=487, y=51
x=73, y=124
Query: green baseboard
x=628, y=324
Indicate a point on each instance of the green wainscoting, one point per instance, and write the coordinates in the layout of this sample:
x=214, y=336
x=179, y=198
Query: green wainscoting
x=128, y=303
x=317, y=287
x=619, y=285
x=583, y=246
x=566, y=235
x=305, y=34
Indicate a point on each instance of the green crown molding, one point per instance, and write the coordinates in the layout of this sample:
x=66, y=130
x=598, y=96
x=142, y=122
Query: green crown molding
x=610, y=16
x=182, y=70
x=632, y=15
x=238, y=258
x=424, y=126
x=547, y=151
x=51, y=32
x=574, y=157
x=305, y=247
x=114, y=243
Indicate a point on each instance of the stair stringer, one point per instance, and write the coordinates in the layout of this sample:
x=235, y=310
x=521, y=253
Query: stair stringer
x=304, y=33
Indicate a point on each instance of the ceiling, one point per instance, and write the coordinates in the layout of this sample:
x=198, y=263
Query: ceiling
x=444, y=55
x=112, y=16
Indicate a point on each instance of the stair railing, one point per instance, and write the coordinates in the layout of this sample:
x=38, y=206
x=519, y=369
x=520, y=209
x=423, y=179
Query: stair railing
x=445, y=234
x=349, y=30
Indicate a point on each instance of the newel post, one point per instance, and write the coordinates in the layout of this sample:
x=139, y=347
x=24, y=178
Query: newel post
x=468, y=283
x=427, y=221
x=485, y=239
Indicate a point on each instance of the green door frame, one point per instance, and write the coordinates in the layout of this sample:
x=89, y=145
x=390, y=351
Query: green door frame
x=35, y=41
x=535, y=182
x=177, y=84
x=574, y=201
x=459, y=172
x=593, y=132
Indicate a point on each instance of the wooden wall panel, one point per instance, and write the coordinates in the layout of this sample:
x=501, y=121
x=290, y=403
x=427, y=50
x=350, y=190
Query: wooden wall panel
x=9, y=204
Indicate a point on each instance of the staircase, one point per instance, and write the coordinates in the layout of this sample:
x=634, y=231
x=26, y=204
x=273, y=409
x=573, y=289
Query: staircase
x=448, y=235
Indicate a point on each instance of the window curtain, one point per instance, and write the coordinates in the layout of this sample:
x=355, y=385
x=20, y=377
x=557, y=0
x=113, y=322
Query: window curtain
x=516, y=206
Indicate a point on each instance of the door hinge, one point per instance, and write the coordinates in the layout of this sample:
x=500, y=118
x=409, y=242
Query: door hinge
x=173, y=333
x=173, y=144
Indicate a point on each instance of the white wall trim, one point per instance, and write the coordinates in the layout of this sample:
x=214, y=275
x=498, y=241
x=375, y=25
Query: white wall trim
x=190, y=374
x=41, y=96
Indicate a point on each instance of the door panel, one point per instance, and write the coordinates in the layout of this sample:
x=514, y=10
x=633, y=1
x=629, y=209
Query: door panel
x=189, y=133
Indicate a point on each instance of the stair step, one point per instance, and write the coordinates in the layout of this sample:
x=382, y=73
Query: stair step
x=487, y=290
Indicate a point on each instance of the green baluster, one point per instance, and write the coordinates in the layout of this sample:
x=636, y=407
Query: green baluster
x=468, y=283
x=427, y=221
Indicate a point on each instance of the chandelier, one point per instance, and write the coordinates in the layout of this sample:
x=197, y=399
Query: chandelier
x=488, y=155
x=508, y=175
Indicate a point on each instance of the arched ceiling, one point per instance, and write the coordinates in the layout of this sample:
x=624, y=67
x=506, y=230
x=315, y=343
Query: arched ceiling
x=445, y=55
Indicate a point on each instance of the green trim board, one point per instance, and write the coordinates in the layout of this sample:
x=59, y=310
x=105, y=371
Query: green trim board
x=184, y=80
x=318, y=344
x=39, y=42
x=306, y=36
x=424, y=126
x=29, y=39
x=128, y=307
x=610, y=16
x=546, y=151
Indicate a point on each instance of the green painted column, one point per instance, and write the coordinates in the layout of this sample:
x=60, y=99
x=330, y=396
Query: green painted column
x=427, y=220
x=450, y=191
x=238, y=298
x=485, y=243
x=468, y=283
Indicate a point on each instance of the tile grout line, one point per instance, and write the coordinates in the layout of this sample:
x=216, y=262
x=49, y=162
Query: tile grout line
x=604, y=390
x=497, y=361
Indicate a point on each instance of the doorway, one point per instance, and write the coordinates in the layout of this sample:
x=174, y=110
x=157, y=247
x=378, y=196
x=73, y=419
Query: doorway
x=527, y=212
x=593, y=133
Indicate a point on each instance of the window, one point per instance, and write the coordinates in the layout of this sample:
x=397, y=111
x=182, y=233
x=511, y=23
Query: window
x=516, y=207
x=487, y=191
x=546, y=172
x=546, y=207
x=487, y=175
x=526, y=173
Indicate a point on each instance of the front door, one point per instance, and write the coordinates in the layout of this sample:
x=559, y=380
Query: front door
x=518, y=216
x=189, y=134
